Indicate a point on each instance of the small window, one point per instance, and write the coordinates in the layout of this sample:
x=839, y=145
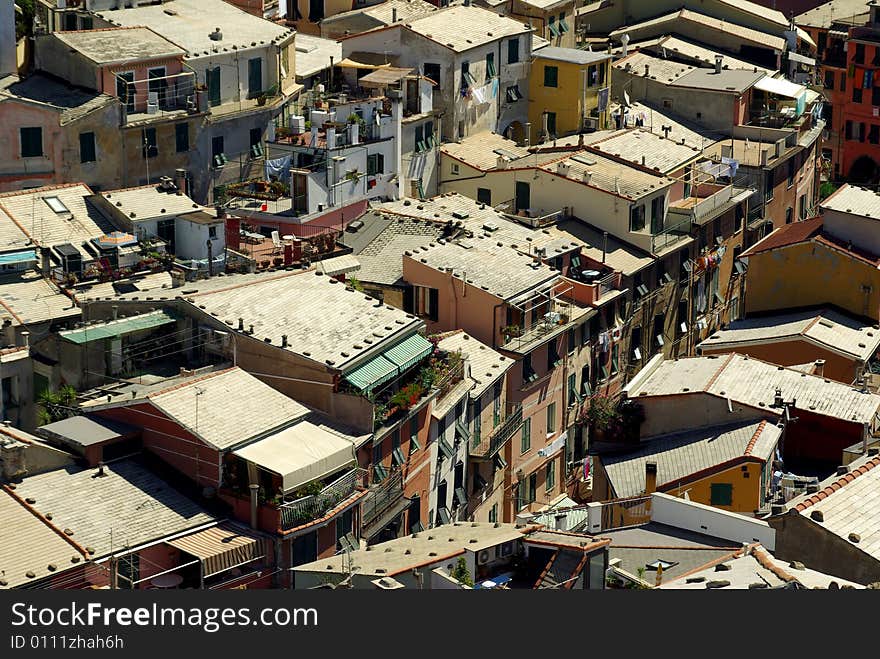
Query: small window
x=637, y=218
x=528, y=372
x=413, y=435
x=151, y=145
x=375, y=164
x=484, y=196
x=490, y=66
x=721, y=494
x=551, y=76
x=212, y=233
x=550, y=479
x=454, y=168
x=56, y=205
x=181, y=137
x=553, y=358
x=31, y=142
x=513, y=94
x=87, y=147
x=525, y=442
x=513, y=51
x=551, y=418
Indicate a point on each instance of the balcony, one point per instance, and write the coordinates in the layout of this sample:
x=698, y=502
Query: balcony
x=708, y=201
x=384, y=502
x=301, y=511
x=589, y=290
x=490, y=445
x=159, y=99
x=676, y=232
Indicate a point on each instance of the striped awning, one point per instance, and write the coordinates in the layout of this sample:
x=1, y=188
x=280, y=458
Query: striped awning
x=222, y=547
x=11, y=258
x=371, y=374
x=409, y=351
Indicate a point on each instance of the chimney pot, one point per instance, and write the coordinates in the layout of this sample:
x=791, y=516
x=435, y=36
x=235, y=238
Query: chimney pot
x=819, y=367
x=842, y=469
x=650, y=477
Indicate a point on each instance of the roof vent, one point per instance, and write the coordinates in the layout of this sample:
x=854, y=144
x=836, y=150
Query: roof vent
x=216, y=35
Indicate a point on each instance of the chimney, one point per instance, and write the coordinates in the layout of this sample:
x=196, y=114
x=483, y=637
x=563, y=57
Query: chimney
x=718, y=59
x=45, y=260
x=394, y=14
x=284, y=340
x=842, y=470
x=254, y=489
x=777, y=398
x=8, y=56
x=500, y=162
x=819, y=367
x=241, y=324
x=650, y=477
x=647, y=70
x=101, y=470
x=180, y=181
x=221, y=212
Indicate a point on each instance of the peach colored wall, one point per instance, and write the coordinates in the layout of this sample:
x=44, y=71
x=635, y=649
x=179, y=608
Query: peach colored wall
x=107, y=78
x=789, y=353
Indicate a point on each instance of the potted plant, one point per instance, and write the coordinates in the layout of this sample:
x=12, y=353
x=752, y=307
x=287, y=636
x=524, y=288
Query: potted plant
x=264, y=263
x=277, y=261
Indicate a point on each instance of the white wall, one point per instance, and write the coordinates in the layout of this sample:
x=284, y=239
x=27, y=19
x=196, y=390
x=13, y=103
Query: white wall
x=234, y=70
x=863, y=232
x=699, y=518
x=190, y=240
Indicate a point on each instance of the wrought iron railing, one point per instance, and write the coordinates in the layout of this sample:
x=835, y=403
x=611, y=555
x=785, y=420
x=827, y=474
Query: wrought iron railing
x=313, y=506
x=493, y=442
x=382, y=497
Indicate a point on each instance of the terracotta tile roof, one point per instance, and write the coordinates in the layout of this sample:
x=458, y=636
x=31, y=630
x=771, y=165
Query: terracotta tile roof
x=838, y=484
x=754, y=438
x=847, y=249
x=790, y=234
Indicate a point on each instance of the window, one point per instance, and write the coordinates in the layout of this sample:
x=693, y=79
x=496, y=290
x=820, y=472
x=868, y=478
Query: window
x=125, y=89
x=496, y=404
x=87, y=22
x=721, y=494
x=217, y=147
x=551, y=475
x=658, y=330
x=493, y=513
x=181, y=137
x=551, y=123
x=429, y=134
x=789, y=215
x=512, y=51
x=432, y=72
x=212, y=80
x=513, y=94
x=490, y=66
x=151, y=147
x=379, y=470
x=484, y=196
x=70, y=21
x=874, y=134
x=87, y=147
x=255, y=76
x=829, y=79
x=859, y=57
x=842, y=86
x=551, y=418
x=529, y=374
x=553, y=358
x=256, y=136
x=657, y=215
x=212, y=233
x=768, y=185
x=441, y=427
x=525, y=442
x=857, y=95
x=615, y=359
x=397, y=458
x=802, y=207
x=552, y=28
x=375, y=164
x=635, y=343
x=31, y=142
x=791, y=171
x=637, y=218
x=571, y=340
x=426, y=303
x=533, y=487
x=420, y=146
x=551, y=76
x=573, y=395
x=563, y=26
x=466, y=77
x=875, y=100
x=683, y=316
x=862, y=131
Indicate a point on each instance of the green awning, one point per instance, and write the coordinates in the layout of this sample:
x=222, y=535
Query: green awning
x=114, y=328
x=371, y=374
x=409, y=351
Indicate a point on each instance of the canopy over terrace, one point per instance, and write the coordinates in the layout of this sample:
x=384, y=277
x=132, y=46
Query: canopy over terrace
x=388, y=364
x=300, y=454
x=223, y=547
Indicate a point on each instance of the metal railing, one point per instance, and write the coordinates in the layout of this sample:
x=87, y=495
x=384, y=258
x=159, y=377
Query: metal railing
x=313, y=506
x=607, y=284
x=670, y=236
x=382, y=497
x=489, y=446
x=625, y=512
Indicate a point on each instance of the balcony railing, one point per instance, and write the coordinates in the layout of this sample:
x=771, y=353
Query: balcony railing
x=311, y=507
x=157, y=98
x=490, y=445
x=670, y=235
x=382, y=497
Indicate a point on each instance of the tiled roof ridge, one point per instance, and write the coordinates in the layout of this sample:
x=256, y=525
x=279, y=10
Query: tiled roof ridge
x=108, y=29
x=737, y=553
x=764, y=559
x=445, y=335
x=188, y=383
x=844, y=480
x=6, y=432
x=73, y=543
x=754, y=439
x=259, y=280
x=719, y=371
x=11, y=312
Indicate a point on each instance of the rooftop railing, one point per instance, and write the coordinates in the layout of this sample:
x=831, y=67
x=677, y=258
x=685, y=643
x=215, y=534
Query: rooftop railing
x=301, y=511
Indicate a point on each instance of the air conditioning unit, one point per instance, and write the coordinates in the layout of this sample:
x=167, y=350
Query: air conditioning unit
x=152, y=102
x=505, y=549
x=591, y=124
x=483, y=557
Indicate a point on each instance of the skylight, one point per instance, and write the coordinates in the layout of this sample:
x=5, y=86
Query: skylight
x=56, y=205
x=660, y=563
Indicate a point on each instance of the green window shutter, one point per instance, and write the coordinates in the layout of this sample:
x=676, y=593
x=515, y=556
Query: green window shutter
x=414, y=435
x=721, y=494
x=526, y=439
x=87, y=147
x=553, y=29
x=563, y=26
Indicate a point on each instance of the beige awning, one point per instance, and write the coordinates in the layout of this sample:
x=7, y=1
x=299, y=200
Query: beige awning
x=300, y=454
x=222, y=547
x=349, y=63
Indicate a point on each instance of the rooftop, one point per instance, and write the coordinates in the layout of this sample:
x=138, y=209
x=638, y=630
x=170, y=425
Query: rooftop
x=649, y=150
x=854, y=200
x=744, y=6
x=849, y=503
x=671, y=46
x=831, y=330
x=148, y=202
x=30, y=544
x=29, y=299
x=463, y=27
x=752, y=382
x=729, y=80
x=38, y=88
x=110, y=289
x=611, y=176
x=323, y=319
x=752, y=567
x=313, y=54
x=129, y=506
x=424, y=548
x=654, y=121
x=116, y=45
x=189, y=24
x=382, y=13
x=572, y=55
x=646, y=65
x=495, y=267
x=853, y=12
x=85, y=430
x=790, y=234
x=681, y=456
x=69, y=219
x=486, y=365
x=747, y=152
x=685, y=19
x=618, y=255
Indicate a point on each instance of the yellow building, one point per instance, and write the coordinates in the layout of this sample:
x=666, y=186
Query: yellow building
x=569, y=92
x=800, y=265
x=727, y=467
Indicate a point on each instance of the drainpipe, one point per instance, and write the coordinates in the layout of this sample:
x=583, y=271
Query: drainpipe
x=254, y=488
